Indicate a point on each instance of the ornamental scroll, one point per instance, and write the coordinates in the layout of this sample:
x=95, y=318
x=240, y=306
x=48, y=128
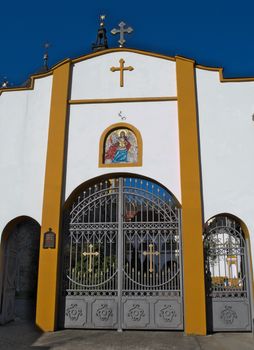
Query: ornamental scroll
x=121, y=147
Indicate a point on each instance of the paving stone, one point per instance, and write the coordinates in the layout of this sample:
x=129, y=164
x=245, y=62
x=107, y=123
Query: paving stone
x=22, y=335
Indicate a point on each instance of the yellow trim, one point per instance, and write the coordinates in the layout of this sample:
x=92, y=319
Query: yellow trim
x=120, y=100
x=222, y=79
x=104, y=52
x=102, y=142
x=52, y=202
x=192, y=223
x=30, y=87
x=122, y=49
x=33, y=77
x=182, y=58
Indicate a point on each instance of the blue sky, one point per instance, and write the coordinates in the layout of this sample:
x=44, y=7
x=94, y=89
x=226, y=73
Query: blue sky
x=215, y=33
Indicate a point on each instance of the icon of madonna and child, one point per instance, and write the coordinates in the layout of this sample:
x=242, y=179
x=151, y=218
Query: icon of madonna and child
x=121, y=147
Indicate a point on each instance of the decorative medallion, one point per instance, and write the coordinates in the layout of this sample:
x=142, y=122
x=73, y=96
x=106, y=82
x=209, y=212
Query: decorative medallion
x=167, y=313
x=73, y=312
x=121, y=147
x=228, y=315
x=136, y=312
x=104, y=312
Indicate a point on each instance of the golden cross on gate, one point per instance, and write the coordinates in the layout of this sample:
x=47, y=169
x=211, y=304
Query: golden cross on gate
x=151, y=253
x=90, y=254
x=121, y=69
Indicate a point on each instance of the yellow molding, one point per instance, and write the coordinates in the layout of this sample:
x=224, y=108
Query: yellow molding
x=182, y=58
x=82, y=58
x=33, y=77
x=222, y=79
x=107, y=51
x=122, y=49
x=30, y=87
x=192, y=221
x=46, y=309
x=102, y=143
x=120, y=100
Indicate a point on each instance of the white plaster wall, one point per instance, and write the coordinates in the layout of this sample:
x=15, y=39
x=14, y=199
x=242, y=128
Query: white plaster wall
x=24, y=120
x=151, y=76
x=158, y=125
x=227, y=147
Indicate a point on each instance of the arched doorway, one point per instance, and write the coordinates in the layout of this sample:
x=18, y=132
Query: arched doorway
x=20, y=255
x=122, y=257
x=227, y=275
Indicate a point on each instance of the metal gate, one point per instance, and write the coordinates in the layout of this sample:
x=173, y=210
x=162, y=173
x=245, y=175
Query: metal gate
x=123, y=261
x=228, y=294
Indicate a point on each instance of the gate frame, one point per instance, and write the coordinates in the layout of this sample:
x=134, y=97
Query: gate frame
x=89, y=183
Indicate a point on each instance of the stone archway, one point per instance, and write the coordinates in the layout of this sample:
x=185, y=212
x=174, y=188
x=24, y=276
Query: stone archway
x=20, y=256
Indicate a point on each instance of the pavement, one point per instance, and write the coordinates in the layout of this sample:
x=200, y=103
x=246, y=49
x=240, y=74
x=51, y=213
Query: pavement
x=21, y=335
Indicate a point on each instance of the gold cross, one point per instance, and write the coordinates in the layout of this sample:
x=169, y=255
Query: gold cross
x=90, y=254
x=121, y=69
x=151, y=253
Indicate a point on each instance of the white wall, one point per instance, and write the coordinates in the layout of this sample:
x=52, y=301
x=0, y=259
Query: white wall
x=24, y=120
x=158, y=125
x=227, y=147
x=151, y=76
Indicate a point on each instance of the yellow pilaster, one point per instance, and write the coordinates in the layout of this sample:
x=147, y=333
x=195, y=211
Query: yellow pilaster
x=52, y=203
x=192, y=223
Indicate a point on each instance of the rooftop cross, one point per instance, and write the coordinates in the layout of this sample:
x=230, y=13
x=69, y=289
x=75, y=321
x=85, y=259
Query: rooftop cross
x=122, y=31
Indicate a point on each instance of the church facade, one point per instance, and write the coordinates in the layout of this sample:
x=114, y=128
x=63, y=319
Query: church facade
x=127, y=197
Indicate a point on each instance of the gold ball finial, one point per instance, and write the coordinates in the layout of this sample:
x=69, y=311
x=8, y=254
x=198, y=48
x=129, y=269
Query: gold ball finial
x=102, y=19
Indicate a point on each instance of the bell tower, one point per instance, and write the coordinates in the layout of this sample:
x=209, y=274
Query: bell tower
x=101, y=40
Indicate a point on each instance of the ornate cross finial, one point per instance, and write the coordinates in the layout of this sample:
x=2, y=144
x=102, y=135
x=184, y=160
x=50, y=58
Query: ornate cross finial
x=121, y=69
x=122, y=31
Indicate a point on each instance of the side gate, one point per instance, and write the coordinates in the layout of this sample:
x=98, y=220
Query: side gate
x=227, y=277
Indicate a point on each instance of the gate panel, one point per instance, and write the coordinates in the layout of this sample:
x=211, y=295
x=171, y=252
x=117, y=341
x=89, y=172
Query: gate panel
x=228, y=302
x=92, y=272
x=124, y=263
x=152, y=274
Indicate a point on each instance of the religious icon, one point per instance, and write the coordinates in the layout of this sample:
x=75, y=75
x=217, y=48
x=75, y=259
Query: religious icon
x=121, y=147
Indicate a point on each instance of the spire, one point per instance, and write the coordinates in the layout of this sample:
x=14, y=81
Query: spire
x=5, y=83
x=46, y=56
x=101, y=40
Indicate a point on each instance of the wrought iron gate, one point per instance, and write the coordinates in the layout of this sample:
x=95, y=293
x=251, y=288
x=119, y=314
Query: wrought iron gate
x=123, y=261
x=228, y=296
